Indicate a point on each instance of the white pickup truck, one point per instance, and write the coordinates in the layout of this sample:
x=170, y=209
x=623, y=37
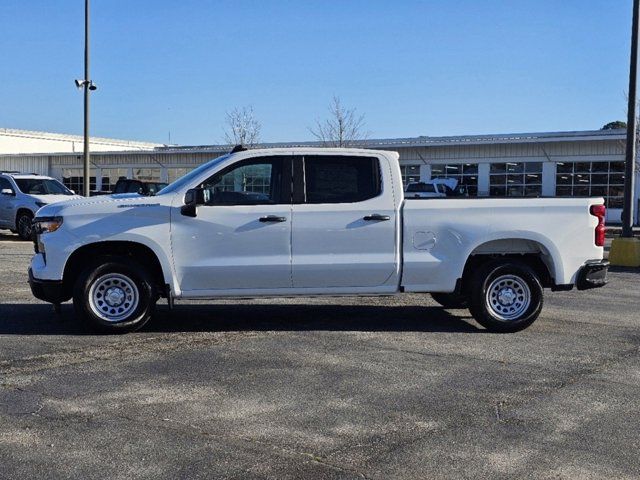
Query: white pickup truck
x=284, y=222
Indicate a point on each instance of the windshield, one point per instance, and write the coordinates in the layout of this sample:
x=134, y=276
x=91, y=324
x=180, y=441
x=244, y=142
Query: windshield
x=189, y=177
x=41, y=186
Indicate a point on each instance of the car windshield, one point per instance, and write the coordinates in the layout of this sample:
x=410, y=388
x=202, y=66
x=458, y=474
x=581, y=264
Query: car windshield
x=189, y=177
x=42, y=186
x=421, y=187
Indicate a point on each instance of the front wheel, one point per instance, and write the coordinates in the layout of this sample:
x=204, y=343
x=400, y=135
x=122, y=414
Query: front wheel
x=23, y=225
x=506, y=296
x=114, y=295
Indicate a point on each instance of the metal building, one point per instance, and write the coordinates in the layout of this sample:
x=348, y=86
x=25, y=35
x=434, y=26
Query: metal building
x=581, y=163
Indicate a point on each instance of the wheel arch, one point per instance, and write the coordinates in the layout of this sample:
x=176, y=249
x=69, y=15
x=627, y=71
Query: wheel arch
x=141, y=253
x=539, y=254
x=20, y=211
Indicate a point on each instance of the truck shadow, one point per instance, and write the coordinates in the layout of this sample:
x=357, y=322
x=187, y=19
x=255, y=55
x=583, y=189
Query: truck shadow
x=39, y=319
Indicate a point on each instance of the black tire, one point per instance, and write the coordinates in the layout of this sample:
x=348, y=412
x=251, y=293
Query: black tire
x=125, y=281
x=499, y=291
x=451, y=300
x=23, y=225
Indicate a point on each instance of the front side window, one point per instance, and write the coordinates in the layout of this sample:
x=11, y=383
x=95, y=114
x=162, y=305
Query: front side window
x=251, y=182
x=5, y=184
x=341, y=179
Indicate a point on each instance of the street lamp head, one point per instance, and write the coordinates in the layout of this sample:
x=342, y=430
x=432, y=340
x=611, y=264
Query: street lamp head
x=79, y=83
x=92, y=86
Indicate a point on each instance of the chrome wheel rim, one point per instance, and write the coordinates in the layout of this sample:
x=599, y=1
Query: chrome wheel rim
x=113, y=297
x=508, y=297
x=24, y=226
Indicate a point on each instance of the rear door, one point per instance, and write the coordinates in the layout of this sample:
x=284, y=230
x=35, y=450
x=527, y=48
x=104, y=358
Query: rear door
x=344, y=223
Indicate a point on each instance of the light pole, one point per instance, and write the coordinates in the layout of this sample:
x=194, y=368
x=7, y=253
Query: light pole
x=627, y=212
x=625, y=250
x=88, y=86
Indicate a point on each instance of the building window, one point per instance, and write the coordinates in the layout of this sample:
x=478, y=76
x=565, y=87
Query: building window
x=175, y=173
x=465, y=173
x=410, y=174
x=515, y=179
x=73, y=179
x=147, y=174
x=591, y=179
x=110, y=177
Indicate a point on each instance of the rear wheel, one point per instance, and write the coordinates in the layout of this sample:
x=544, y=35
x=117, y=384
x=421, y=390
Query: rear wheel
x=506, y=296
x=23, y=225
x=451, y=300
x=114, y=295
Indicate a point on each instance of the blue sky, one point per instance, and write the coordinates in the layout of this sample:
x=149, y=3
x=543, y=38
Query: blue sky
x=437, y=67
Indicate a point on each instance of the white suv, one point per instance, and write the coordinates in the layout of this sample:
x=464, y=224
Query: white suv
x=22, y=195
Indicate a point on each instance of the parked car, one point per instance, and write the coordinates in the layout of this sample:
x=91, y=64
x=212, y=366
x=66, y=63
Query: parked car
x=325, y=222
x=126, y=185
x=436, y=188
x=425, y=190
x=21, y=195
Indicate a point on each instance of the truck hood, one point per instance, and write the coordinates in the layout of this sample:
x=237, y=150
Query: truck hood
x=102, y=203
x=54, y=198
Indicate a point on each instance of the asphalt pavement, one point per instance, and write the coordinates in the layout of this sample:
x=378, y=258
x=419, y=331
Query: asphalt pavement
x=377, y=388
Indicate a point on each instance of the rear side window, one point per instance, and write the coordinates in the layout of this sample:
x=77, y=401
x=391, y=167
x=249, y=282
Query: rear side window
x=4, y=183
x=341, y=179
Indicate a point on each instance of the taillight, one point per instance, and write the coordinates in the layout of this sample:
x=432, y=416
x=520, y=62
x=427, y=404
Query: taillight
x=599, y=212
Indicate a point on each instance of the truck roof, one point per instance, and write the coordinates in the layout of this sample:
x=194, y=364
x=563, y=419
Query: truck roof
x=318, y=150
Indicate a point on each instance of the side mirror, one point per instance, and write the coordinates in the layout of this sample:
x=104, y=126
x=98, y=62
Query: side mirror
x=193, y=198
x=7, y=191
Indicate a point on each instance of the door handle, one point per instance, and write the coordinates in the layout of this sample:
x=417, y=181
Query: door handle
x=376, y=217
x=272, y=218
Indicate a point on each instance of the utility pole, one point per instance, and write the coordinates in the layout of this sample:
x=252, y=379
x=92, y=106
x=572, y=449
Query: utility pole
x=625, y=250
x=629, y=174
x=86, y=85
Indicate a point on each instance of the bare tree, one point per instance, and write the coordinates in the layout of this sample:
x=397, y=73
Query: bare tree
x=343, y=128
x=242, y=127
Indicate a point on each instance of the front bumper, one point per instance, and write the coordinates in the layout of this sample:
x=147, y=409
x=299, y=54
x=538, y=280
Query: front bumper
x=592, y=275
x=51, y=291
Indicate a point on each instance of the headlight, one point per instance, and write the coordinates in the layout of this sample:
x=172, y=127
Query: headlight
x=46, y=224
x=41, y=204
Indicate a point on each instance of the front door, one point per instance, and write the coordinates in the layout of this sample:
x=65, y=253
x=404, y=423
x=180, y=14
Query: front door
x=344, y=224
x=241, y=237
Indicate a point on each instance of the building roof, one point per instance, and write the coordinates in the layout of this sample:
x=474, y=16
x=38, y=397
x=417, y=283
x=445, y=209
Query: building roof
x=426, y=141
x=383, y=144
x=11, y=132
